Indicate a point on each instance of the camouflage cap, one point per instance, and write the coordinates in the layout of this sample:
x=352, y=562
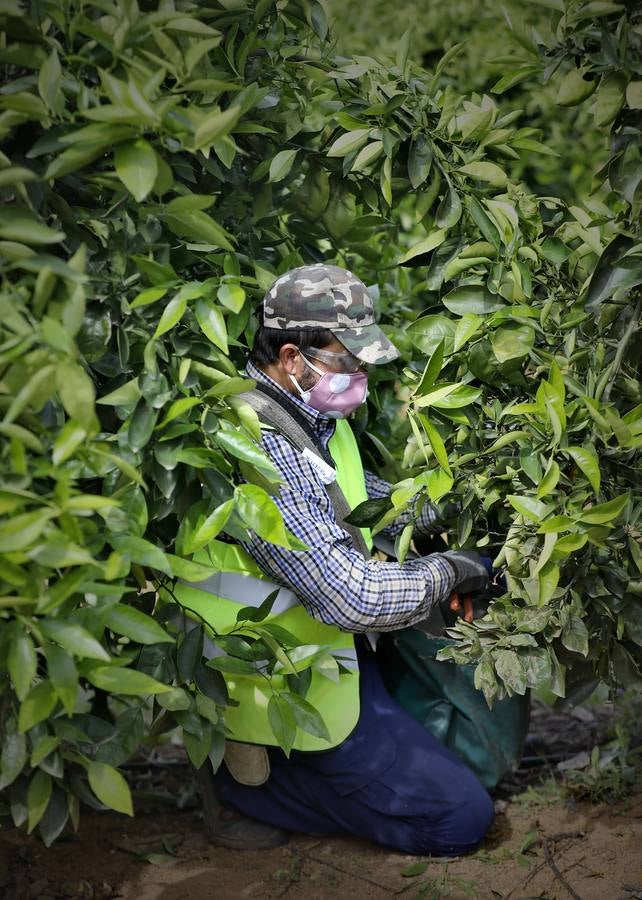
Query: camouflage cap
x=323, y=296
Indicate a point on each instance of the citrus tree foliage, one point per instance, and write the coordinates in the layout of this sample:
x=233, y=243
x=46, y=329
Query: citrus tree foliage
x=495, y=45
x=160, y=164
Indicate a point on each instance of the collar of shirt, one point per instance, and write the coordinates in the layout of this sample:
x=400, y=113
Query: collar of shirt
x=322, y=425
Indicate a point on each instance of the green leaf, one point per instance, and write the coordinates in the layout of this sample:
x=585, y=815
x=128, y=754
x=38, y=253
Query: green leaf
x=21, y=531
x=190, y=651
x=177, y=409
x=43, y=748
x=210, y=528
x=439, y=483
x=427, y=244
x=232, y=665
x=198, y=747
x=172, y=314
x=427, y=332
x=574, y=89
x=550, y=479
x=472, y=298
x=110, y=787
x=634, y=94
x=548, y=577
x=402, y=543
x=417, y=868
x=55, y=817
x=431, y=370
x=67, y=442
x=281, y=165
x=196, y=225
x=258, y=613
x=21, y=660
x=511, y=671
x=174, y=699
x=529, y=507
x=118, y=680
x=282, y=722
x=419, y=161
x=136, y=625
x=49, y=79
x=63, y=675
x=13, y=759
x=260, y=513
x=449, y=210
x=241, y=447
x=38, y=796
x=367, y=156
x=485, y=679
x=141, y=425
x=74, y=639
x=307, y=717
x=231, y=296
x=349, y=142
x=17, y=224
x=212, y=323
x=513, y=77
x=467, y=326
x=586, y=459
x=125, y=395
x=449, y=396
x=575, y=635
x=136, y=165
x=614, y=272
x=215, y=125
x=36, y=706
x=436, y=443
x=141, y=551
x=509, y=438
x=188, y=570
x=76, y=390
x=610, y=98
x=604, y=512
x=537, y=666
x=486, y=171
x=512, y=342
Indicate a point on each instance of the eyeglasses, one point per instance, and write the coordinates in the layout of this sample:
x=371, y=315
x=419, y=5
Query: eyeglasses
x=340, y=362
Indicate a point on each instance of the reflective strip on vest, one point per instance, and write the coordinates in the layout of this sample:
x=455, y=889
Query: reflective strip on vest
x=236, y=581
x=350, y=478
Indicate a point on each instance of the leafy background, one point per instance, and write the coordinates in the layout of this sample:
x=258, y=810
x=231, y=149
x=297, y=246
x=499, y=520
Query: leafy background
x=159, y=166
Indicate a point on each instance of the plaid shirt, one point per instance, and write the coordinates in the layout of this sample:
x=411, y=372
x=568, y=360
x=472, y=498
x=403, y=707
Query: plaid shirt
x=335, y=583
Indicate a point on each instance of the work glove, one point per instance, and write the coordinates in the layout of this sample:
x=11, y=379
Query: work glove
x=471, y=575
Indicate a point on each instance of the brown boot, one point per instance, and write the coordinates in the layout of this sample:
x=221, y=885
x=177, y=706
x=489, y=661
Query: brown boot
x=230, y=828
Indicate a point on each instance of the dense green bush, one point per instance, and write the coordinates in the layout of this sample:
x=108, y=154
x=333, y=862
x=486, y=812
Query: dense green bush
x=160, y=164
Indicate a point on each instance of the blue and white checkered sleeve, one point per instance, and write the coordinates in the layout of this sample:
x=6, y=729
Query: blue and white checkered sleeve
x=332, y=579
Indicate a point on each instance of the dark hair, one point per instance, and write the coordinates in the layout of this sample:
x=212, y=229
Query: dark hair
x=268, y=342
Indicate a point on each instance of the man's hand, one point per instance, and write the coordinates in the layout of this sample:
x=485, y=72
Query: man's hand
x=463, y=606
x=471, y=575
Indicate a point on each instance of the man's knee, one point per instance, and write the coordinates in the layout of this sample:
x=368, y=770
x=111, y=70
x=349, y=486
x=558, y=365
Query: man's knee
x=461, y=827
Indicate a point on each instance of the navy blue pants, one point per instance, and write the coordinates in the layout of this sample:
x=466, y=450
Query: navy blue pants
x=391, y=782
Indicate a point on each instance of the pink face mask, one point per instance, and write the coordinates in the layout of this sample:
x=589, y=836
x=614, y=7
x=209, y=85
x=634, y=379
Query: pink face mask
x=336, y=394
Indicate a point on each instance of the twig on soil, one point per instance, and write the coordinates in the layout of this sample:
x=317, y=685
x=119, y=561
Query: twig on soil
x=547, y=856
x=330, y=865
x=547, y=841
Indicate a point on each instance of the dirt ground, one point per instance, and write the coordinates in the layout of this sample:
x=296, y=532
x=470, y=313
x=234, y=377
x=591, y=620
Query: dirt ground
x=544, y=844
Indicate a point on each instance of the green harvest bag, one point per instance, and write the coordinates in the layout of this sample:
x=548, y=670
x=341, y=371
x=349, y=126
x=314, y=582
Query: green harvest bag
x=442, y=697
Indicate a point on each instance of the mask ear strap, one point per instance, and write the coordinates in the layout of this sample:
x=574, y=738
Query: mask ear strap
x=311, y=365
x=302, y=394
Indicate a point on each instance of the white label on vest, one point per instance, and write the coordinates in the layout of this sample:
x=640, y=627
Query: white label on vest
x=325, y=472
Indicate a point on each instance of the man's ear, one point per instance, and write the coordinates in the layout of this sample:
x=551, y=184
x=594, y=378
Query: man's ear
x=289, y=358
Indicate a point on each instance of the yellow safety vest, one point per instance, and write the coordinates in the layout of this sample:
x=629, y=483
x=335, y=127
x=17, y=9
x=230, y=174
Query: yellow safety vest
x=237, y=581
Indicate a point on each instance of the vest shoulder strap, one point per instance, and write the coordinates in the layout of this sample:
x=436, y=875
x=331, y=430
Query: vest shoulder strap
x=274, y=414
